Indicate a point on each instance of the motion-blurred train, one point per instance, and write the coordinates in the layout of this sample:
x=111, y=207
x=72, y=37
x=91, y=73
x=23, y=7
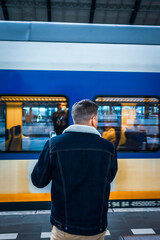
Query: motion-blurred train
x=45, y=68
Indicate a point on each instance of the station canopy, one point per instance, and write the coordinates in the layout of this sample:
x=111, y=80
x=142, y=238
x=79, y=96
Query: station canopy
x=138, y=12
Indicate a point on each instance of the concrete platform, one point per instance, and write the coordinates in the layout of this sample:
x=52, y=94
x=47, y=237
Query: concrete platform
x=35, y=225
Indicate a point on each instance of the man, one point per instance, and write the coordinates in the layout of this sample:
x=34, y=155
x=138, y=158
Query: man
x=81, y=166
x=59, y=119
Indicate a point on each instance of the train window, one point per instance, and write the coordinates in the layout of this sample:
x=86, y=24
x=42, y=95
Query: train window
x=2, y=126
x=27, y=122
x=131, y=123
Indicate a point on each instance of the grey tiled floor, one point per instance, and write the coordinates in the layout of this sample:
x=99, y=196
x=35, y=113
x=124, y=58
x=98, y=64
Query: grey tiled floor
x=30, y=225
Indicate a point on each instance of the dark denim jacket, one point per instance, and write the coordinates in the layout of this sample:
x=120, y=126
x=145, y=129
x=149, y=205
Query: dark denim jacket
x=81, y=167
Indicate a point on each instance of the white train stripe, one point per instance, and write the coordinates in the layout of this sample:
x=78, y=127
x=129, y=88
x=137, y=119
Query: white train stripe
x=79, y=56
x=8, y=235
x=45, y=234
x=108, y=233
x=143, y=231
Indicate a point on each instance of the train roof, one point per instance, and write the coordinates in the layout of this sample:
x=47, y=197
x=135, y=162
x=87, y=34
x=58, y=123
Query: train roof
x=79, y=33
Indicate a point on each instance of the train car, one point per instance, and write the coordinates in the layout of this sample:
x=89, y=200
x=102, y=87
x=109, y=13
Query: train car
x=45, y=68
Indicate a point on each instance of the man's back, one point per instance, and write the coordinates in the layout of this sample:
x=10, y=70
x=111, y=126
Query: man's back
x=82, y=166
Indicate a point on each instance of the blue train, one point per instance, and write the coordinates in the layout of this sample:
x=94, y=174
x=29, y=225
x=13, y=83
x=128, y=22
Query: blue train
x=45, y=68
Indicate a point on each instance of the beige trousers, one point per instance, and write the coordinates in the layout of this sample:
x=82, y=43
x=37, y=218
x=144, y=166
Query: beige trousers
x=60, y=235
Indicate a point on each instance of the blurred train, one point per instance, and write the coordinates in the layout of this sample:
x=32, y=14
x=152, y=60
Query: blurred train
x=45, y=68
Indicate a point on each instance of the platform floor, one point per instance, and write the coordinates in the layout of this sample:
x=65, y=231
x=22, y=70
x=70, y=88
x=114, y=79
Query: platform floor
x=35, y=225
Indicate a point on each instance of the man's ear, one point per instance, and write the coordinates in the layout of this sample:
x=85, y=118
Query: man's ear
x=94, y=121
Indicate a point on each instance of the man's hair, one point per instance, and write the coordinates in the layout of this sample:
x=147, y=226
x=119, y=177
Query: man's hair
x=84, y=110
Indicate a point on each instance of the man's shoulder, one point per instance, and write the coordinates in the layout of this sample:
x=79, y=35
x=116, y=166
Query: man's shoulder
x=106, y=143
x=57, y=139
x=77, y=138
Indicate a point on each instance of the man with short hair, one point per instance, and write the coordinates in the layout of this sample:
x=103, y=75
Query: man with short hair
x=81, y=166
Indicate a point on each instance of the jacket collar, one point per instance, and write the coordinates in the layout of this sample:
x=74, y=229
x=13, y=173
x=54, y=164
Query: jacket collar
x=82, y=129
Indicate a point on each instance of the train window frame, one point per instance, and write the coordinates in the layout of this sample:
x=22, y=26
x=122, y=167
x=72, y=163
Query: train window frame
x=32, y=96
x=130, y=97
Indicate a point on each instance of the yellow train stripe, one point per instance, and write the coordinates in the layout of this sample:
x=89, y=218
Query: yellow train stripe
x=32, y=197
x=135, y=195
x=25, y=197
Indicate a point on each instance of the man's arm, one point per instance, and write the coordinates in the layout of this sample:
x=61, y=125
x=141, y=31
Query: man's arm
x=42, y=172
x=114, y=164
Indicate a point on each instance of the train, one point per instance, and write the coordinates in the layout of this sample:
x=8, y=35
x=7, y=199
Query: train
x=45, y=68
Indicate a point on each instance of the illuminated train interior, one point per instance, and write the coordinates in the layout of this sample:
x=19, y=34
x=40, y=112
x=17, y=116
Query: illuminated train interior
x=132, y=124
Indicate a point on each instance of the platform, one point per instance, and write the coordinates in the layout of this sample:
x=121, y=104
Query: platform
x=35, y=225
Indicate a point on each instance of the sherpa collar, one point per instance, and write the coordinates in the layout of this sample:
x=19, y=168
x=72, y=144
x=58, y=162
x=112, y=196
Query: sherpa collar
x=82, y=128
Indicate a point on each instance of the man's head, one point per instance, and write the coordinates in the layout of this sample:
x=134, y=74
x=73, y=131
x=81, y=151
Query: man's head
x=85, y=113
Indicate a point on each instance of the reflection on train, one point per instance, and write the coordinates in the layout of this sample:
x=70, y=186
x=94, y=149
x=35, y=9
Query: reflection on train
x=29, y=121
x=59, y=119
x=132, y=124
